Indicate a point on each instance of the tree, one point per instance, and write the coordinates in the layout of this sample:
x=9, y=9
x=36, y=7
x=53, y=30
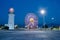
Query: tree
x=6, y=28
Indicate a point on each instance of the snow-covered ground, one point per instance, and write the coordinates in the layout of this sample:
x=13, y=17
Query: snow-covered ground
x=29, y=35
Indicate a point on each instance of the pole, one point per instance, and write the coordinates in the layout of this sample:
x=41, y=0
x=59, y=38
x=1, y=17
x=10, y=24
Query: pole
x=44, y=21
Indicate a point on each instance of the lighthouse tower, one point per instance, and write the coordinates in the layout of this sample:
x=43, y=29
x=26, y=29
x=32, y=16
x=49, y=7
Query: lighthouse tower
x=11, y=18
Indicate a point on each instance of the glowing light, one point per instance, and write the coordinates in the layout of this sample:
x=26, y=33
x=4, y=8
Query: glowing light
x=42, y=11
x=11, y=10
x=31, y=19
x=52, y=18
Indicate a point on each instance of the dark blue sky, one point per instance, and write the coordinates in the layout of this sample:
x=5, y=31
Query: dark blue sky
x=23, y=7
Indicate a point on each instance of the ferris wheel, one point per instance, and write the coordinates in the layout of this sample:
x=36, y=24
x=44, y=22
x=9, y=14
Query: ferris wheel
x=31, y=21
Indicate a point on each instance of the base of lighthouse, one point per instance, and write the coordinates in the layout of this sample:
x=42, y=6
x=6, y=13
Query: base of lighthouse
x=11, y=27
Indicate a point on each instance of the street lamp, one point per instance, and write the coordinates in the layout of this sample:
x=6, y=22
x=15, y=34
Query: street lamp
x=52, y=20
x=42, y=11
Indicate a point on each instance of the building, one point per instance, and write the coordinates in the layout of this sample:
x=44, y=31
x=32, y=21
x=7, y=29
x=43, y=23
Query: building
x=11, y=18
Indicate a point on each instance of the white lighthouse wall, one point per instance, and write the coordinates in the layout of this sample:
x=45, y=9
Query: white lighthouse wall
x=11, y=21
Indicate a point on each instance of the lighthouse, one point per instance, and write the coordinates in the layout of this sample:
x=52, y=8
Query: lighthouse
x=11, y=18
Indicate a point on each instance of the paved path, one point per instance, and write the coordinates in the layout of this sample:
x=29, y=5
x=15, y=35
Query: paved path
x=29, y=35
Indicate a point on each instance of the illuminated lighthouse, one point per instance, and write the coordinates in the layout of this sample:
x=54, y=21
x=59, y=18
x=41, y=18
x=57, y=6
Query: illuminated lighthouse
x=11, y=18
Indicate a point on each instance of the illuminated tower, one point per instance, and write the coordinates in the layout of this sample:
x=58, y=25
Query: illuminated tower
x=11, y=18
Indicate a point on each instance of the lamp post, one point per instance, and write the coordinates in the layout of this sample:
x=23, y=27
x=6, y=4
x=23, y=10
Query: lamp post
x=52, y=20
x=42, y=11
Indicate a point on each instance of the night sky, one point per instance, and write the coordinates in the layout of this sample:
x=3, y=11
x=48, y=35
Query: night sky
x=23, y=7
